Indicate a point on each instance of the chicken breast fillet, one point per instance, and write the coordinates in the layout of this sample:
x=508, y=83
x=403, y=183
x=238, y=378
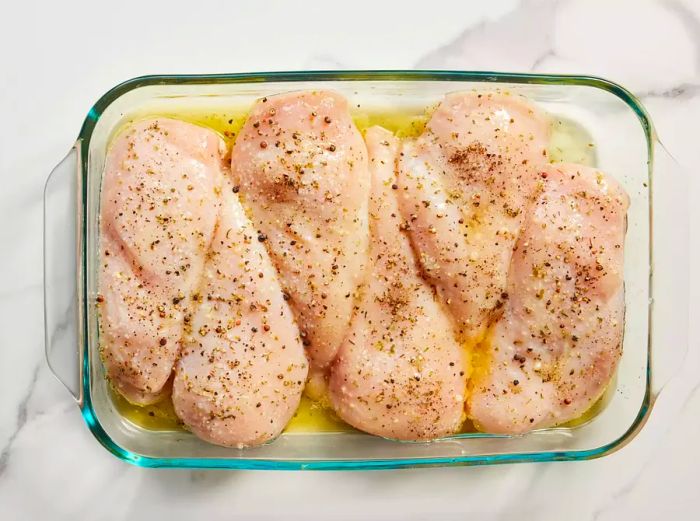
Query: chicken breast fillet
x=555, y=349
x=160, y=197
x=242, y=369
x=464, y=185
x=301, y=167
x=399, y=371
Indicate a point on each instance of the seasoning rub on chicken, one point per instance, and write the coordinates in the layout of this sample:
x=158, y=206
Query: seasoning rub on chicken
x=300, y=166
x=464, y=186
x=400, y=372
x=554, y=350
x=242, y=369
x=160, y=200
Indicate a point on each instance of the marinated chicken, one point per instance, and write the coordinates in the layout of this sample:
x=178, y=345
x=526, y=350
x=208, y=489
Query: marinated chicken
x=400, y=371
x=464, y=185
x=407, y=284
x=300, y=166
x=160, y=199
x=555, y=348
x=242, y=369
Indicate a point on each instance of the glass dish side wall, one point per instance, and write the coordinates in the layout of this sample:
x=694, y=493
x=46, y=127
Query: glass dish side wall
x=623, y=148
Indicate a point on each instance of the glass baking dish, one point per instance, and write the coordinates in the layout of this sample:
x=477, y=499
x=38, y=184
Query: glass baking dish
x=626, y=146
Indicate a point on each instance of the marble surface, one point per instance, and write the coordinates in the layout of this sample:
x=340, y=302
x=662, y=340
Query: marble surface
x=56, y=59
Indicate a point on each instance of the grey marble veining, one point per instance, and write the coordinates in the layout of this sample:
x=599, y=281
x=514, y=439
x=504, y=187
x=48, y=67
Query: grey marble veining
x=52, y=468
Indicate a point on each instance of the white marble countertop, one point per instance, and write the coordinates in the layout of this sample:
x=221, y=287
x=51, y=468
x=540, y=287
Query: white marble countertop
x=58, y=58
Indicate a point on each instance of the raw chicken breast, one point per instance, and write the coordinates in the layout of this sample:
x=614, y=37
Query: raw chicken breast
x=301, y=167
x=464, y=185
x=242, y=368
x=555, y=349
x=399, y=372
x=160, y=197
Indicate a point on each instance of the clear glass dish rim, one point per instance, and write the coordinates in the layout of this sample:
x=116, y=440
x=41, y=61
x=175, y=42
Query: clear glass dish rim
x=83, y=143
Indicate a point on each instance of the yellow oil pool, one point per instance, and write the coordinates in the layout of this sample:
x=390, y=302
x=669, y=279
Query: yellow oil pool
x=309, y=417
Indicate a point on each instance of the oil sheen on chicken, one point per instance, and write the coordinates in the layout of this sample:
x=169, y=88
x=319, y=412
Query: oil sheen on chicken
x=554, y=350
x=464, y=185
x=300, y=165
x=400, y=372
x=242, y=369
x=160, y=199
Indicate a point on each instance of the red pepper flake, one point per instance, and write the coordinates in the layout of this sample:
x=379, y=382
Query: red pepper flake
x=163, y=341
x=263, y=144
